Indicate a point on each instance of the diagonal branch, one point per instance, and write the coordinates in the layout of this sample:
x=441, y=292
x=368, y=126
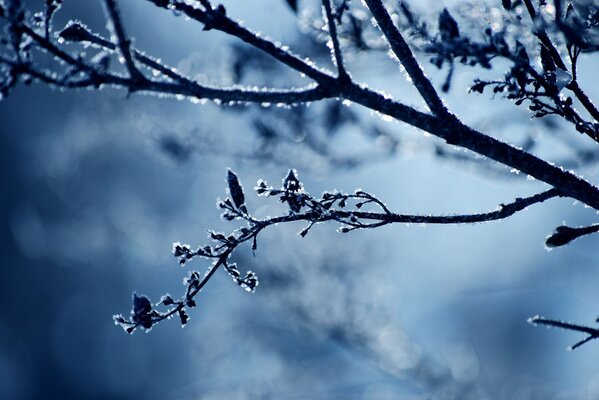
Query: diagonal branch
x=459, y=134
x=123, y=42
x=593, y=333
x=78, y=33
x=407, y=59
x=336, y=50
x=218, y=20
x=452, y=130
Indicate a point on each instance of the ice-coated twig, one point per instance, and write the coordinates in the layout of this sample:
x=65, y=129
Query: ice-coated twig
x=565, y=234
x=336, y=50
x=181, y=86
x=344, y=209
x=593, y=333
x=78, y=33
x=555, y=55
x=405, y=56
x=123, y=42
x=217, y=19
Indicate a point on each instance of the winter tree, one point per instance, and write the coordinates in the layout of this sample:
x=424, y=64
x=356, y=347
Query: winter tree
x=308, y=101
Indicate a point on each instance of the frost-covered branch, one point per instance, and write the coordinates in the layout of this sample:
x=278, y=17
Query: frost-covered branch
x=123, y=42
x=555, y=56
x=336, y=50
x=217, y=19
x=565, y=234
x=593, y=333
x=542, y=91
x=347, y=210
x=407, y=59
x=446, y=127
x=89, y=74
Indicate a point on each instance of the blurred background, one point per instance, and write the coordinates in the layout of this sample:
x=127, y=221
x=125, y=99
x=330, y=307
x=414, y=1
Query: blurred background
x=96, y=186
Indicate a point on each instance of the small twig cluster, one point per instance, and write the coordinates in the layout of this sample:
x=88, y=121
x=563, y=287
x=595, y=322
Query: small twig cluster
x=347, y=210
x=522, y=82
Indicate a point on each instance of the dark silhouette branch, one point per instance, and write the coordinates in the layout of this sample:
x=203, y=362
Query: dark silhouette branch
x=564, y=234
x=573, y=84
x=182, y=86
x=448, y=128
x=123, y=41
x=216, y=18
x=407, y=59
x=456, y=133
x=593, y=333
x=336, y=50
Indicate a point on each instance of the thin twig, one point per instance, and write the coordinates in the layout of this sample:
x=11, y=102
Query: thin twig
x=565, y=234
x=218, y=20
x=407, y=59
x=593, y=333
x=122, y=41
x=332, y=206
x=336, y=50
x=546, y=41
x=184, y=85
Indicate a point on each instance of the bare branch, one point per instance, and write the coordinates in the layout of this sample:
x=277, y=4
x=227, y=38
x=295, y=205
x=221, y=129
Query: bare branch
x=184, y=87
x=592, y=333
x=123, y=42
x=456, y=133
x=546, y=41
x=331, y=206
x=78, y=33
x=336, y=50
x=564, y=234
x=218, y=20
x=542, y=35
x=450, y=129
x=407, y=59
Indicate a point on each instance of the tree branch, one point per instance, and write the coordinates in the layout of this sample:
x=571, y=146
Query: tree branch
x=592, y=333
x=123, y=42
x=450, y=129
x=218, y=20
x=546, y=41
x=336, y=50
x=344, y=209
x=407, y=59
x=183, y=87
x=458, y=134
x=564, y=234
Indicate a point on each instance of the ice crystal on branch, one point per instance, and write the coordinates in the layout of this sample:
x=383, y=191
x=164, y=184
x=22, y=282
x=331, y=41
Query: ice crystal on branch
x=360, y=210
